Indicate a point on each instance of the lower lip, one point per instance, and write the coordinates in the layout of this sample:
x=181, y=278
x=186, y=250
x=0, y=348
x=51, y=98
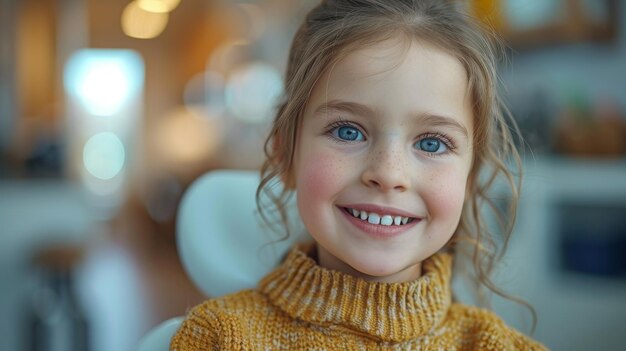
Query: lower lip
x=377, y=230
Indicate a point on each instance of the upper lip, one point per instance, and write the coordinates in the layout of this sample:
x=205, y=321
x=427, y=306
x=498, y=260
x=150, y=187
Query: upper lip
x=381, y=210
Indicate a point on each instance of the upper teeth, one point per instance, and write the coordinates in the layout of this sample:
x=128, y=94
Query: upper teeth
x=375, y=218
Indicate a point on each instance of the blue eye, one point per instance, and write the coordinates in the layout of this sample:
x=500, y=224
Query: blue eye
x=432, y=146
x=347, y=133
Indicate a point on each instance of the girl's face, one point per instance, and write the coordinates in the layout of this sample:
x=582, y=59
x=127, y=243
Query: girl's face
x=382, y=159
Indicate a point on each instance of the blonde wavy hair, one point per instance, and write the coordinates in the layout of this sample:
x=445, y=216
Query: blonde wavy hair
x=336, y=27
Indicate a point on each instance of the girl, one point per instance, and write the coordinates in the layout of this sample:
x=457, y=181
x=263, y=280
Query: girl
x=391, y=120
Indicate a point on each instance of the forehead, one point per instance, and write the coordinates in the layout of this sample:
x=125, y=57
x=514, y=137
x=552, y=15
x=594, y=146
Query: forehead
x=398, y=75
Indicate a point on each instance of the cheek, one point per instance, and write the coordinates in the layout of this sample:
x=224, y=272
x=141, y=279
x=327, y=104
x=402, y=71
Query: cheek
x=318, y=178
x=446, y=197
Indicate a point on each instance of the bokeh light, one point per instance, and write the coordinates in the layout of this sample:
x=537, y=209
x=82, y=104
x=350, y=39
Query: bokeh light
x=104, y=155
x=252, y=92
x=183, y=137
x=103, y=81
x=141, y=24
x=158, y=6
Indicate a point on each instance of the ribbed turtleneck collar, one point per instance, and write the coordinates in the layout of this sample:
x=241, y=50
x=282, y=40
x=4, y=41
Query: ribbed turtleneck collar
x=389, y=311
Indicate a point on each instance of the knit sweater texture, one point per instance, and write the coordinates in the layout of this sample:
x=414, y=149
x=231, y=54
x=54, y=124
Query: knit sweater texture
x=302, y=306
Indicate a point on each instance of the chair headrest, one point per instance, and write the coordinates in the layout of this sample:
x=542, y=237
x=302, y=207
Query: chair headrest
x=223, y=244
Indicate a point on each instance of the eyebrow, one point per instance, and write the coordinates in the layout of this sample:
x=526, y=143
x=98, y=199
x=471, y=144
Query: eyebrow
x=444, y=121
x=345, y=106
x=364, y=110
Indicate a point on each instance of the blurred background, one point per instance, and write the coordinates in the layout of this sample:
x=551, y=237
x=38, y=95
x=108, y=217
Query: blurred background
x=110, y=109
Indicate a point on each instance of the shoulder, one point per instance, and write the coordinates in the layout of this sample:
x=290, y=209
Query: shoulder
x=486, y=331
x=218, y=323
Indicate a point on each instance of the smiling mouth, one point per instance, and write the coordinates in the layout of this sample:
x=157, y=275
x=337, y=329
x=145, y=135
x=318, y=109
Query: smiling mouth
x=378, y=219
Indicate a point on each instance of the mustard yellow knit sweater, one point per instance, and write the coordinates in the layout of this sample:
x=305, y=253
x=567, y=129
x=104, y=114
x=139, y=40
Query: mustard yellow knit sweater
x=302, y=306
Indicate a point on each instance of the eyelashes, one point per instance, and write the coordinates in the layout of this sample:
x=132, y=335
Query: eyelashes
x=431, y=143
x=343, y=131
x=442, y=140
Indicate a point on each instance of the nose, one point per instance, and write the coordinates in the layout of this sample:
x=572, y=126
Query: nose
x=387, y=169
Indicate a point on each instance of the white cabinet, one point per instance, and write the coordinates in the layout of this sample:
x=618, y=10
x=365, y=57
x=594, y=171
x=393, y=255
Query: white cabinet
x=580, y=300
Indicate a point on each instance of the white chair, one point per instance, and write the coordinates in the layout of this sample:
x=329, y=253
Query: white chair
x=223, y=244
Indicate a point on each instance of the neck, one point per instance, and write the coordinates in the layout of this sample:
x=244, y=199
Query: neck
x=329, y=261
